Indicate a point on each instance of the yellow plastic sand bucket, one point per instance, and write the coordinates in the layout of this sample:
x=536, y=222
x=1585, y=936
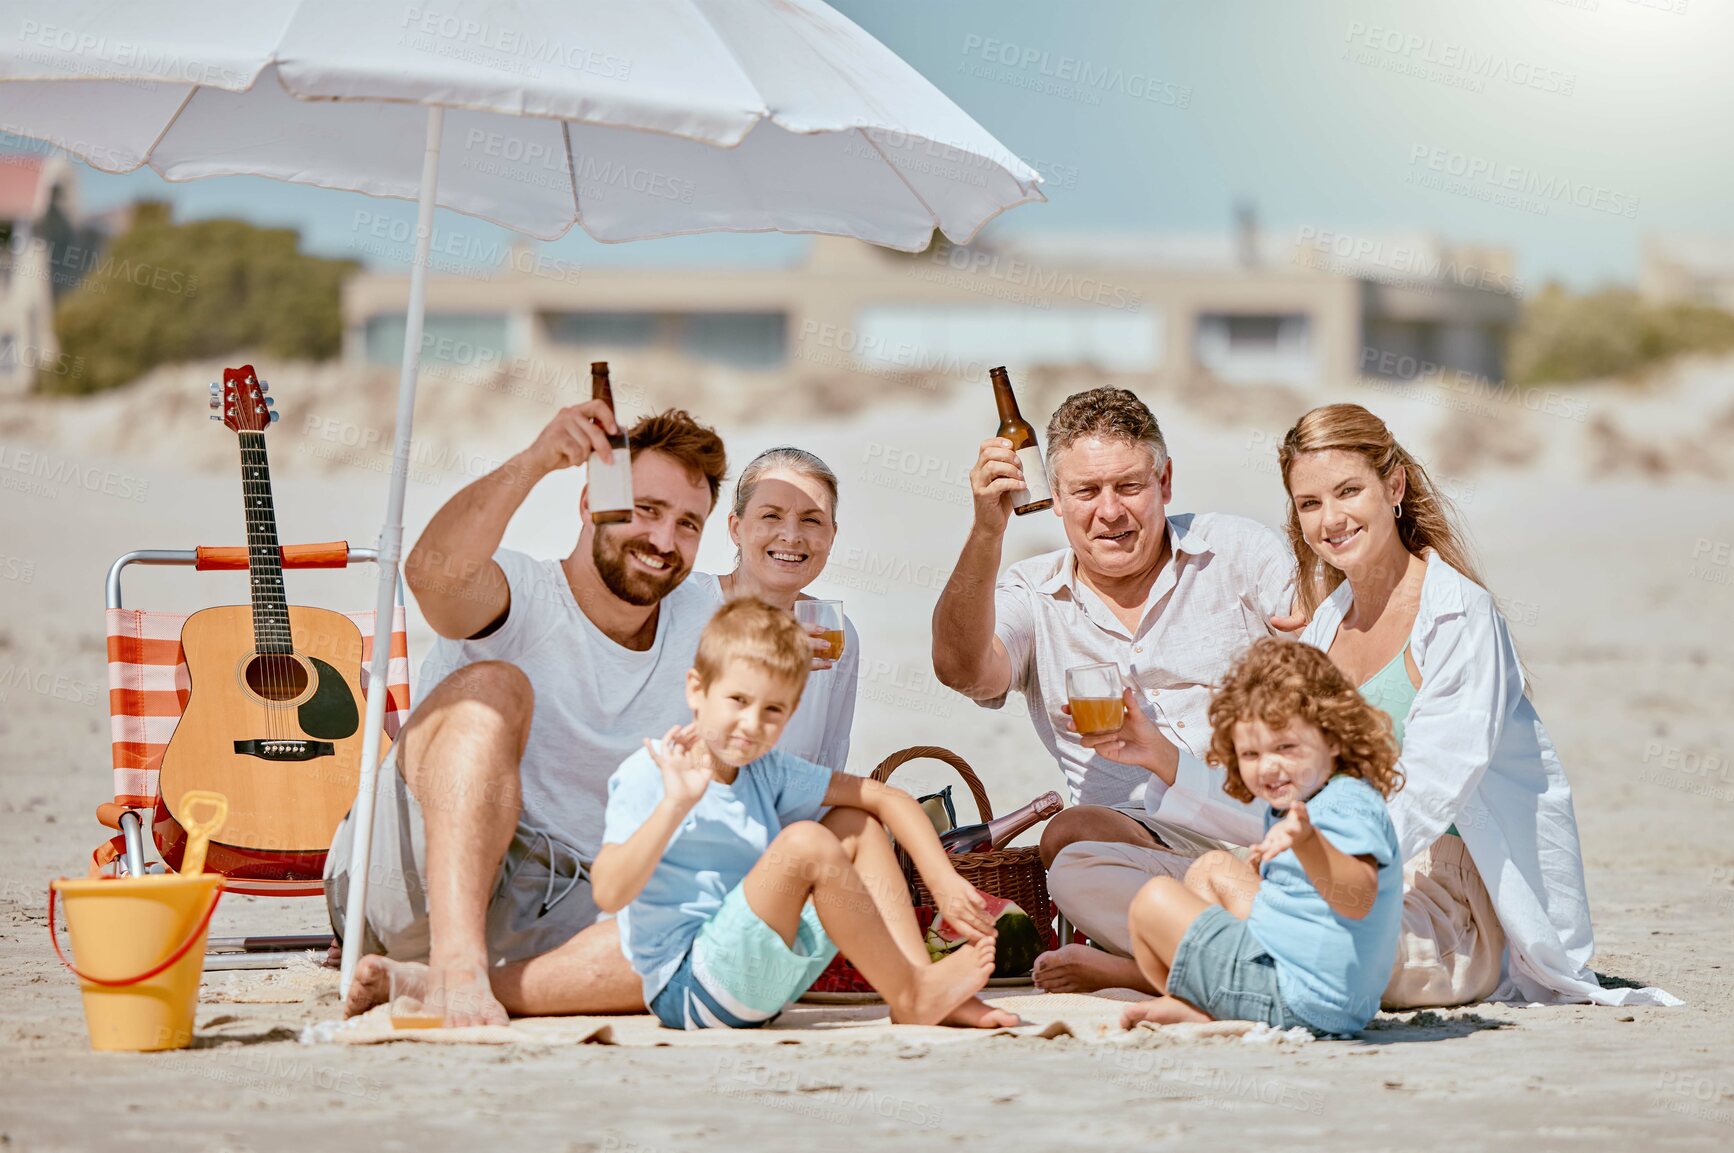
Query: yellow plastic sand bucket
x=140, y=944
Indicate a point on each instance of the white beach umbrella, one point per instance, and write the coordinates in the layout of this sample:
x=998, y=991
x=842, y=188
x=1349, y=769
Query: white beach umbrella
x=630, y=120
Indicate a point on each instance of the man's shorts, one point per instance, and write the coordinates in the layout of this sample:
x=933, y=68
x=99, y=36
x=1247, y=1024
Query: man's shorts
x=541, y=897
x=739, y=974
x=1221, y=968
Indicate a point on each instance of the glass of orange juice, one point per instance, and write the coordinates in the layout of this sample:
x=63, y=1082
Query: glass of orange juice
x=1095, y=694
x=409, y=1009
x=828, y=616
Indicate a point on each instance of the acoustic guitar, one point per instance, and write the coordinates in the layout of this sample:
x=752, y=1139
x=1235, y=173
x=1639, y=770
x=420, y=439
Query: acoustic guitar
x=273, y=720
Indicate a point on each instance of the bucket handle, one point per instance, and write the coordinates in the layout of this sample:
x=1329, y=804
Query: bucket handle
x=198, y=931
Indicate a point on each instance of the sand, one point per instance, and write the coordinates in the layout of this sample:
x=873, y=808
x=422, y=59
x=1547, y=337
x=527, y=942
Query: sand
x=1604, y=524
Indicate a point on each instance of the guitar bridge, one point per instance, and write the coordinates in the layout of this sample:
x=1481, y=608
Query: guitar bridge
x=285, y=750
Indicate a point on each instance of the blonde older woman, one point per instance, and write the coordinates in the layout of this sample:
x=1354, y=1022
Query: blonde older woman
x=784, y=522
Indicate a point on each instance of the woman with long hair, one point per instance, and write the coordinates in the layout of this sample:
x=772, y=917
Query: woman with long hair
x=1494, y=906
x=784, y=522
x=1392, y=594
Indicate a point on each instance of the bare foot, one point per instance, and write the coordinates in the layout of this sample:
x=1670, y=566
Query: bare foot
x=1162, y=1011
x=1083, y=969
x=371, y=984
x=462, y=995
x=977, y=1014
x=941, y=988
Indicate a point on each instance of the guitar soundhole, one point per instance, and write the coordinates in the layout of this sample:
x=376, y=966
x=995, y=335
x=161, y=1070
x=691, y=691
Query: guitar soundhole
x=276, y=676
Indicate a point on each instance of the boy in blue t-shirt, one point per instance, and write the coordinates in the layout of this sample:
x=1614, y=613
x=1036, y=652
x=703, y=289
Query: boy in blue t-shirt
x=730, y=877
x=1305, y=932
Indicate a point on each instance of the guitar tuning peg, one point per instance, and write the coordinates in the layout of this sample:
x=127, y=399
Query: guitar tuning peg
x=264, y=386
x=215, y=388
x=215, y=403
x=274, y=417
x=270, y=402
x=214, y=416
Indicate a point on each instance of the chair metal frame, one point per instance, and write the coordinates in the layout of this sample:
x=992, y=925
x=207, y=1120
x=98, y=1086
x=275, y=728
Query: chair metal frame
x=221, y=952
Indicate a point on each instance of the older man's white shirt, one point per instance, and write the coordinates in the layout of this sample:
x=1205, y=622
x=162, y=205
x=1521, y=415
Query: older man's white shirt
x=1227, y=577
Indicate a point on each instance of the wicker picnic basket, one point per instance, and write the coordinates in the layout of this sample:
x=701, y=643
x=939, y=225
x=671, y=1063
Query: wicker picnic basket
x=1011, y=874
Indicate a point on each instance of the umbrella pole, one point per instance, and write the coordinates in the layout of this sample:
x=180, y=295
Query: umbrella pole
x=390, y=557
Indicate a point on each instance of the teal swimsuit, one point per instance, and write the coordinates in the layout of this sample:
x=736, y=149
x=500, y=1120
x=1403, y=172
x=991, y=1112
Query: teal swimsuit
x=1391, y=690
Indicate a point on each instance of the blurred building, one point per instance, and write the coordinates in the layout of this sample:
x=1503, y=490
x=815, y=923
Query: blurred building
x=1308, y=309
x=1681, y=269
x=38, y=213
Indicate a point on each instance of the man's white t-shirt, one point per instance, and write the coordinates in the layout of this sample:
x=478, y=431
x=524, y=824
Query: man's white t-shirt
x=595, y=700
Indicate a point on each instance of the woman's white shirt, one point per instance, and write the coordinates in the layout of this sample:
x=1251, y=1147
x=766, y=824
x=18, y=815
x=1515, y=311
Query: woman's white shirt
x=1475, y=754
x=819, y=730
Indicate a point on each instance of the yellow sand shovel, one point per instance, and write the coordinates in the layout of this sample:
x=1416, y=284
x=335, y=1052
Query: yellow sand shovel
x=200, y=829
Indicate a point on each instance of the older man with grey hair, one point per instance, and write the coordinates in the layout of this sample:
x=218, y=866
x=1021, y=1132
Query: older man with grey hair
x=1170, y=600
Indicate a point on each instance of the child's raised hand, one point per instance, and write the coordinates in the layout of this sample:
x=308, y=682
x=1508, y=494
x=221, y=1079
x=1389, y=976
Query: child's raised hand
x=1294, y=830
x=962, y=907
x=684, y=779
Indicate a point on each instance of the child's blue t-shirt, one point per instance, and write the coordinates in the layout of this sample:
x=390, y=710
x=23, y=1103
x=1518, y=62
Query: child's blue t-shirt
x=711, y=852
x=1331, y=969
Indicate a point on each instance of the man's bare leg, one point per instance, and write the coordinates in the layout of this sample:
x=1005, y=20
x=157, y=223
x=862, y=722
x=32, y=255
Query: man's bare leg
x=1224, y=879
x=1075, y=968
x=588, y=974
x=459, y=755
x=869, y=849
x=1092, y=823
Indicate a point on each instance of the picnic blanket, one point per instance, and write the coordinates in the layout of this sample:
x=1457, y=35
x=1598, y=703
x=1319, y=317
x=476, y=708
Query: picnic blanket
x=1091, y=1018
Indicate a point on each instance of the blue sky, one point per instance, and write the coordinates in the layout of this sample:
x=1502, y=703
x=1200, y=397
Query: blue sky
x=1346, y=115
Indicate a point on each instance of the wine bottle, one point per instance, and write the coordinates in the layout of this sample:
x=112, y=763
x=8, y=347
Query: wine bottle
x=610, y=483
x=1035, y=495
x=1000, y=831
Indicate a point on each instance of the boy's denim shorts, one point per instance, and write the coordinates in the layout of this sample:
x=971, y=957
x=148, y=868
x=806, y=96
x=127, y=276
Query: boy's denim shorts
x=1221, y=968
x=739, y=974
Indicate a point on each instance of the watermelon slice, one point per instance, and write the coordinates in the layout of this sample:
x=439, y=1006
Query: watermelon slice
x=1015, y=948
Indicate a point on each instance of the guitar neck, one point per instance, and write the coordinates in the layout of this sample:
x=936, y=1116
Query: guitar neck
x=264, y=558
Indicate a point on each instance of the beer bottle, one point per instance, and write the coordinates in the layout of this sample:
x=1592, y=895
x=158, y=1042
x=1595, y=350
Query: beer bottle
x=1035, y=495
x=610, y=483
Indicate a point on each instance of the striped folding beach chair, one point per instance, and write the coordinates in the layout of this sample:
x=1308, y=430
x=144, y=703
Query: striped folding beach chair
x=149, y=688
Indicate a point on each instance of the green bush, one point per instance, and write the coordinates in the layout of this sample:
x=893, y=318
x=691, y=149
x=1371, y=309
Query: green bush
x=1564, y=336
x=163, y=292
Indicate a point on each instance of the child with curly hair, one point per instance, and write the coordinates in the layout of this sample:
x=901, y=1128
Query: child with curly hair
x=1303, y=932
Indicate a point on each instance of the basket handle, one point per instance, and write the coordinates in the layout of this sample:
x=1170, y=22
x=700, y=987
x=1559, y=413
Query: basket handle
x=889, y=765
x=198, y=931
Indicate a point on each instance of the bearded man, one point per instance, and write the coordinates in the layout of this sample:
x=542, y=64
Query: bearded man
x=547, y=674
